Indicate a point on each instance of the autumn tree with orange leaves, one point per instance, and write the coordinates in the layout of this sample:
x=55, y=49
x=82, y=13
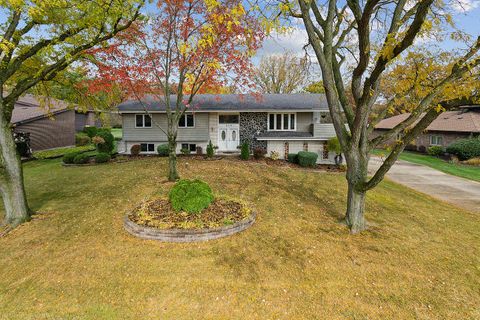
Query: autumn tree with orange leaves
x=184, y=48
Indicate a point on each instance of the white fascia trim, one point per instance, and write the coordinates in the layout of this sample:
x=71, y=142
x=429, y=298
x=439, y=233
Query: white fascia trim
x=235, y=111
x=294, y=139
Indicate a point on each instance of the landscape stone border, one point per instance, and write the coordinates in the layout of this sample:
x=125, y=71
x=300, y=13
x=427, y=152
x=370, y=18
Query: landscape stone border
x=185, y=235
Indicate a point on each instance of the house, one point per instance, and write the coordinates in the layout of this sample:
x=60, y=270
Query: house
x=50, y=127
x=284, y=123
x=449, y=127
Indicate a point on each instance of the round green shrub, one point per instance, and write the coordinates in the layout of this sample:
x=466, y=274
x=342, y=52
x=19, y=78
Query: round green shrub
x=109, y=139
x=163, y=150
x=90, y=131
x=191, y=196
x=69, y=157
x=245, y=151
x=81, y=158
x=102, y=157
x=292, y=157
x=307, y=159
x=82, y=139
x=435, y=151
x=465, y=149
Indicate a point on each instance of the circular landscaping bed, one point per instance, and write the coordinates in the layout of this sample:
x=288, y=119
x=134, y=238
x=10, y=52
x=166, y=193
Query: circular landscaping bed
x=190, y=214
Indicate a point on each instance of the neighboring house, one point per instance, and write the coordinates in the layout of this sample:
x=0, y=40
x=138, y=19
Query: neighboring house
x=447, y=128
x=50, y=127
x=285, y=123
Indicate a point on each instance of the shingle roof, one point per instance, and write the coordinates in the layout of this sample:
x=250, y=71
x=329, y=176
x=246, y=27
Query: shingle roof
x=453, y=121
x=28, y=108
x=237, y=102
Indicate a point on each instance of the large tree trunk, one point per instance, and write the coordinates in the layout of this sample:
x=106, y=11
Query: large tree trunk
x=11, y=176
x=172, y=159
x=357, y=166
x=355, y=217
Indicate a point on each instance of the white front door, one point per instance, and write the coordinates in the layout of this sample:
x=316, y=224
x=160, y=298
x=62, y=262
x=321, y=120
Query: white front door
x=228, y=133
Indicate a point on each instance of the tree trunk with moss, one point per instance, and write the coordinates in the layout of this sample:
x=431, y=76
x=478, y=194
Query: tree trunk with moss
x=11, y=174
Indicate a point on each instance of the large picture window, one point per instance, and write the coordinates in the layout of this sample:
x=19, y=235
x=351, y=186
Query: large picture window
x=187, y=121
x=282, y=121
x=143, y=121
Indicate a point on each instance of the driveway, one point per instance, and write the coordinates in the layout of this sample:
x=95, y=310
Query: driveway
x=458, y=191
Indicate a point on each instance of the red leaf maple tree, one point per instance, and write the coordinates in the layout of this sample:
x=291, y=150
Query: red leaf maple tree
x=183, y=48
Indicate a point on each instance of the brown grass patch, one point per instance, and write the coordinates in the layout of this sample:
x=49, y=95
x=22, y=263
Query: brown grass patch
x=421, y=261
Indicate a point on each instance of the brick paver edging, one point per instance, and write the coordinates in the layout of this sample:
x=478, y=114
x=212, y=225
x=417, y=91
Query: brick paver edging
x=183, y=235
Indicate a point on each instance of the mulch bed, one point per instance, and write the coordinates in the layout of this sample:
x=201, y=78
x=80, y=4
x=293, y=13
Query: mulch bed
x=158, y=213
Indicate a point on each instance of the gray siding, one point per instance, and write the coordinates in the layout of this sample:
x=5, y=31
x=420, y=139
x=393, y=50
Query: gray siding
x=46, y=133
x=304, y=121
x=324, y=130
x=154, y=134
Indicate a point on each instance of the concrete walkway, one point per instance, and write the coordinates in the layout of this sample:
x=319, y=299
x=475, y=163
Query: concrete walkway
x=458, y=191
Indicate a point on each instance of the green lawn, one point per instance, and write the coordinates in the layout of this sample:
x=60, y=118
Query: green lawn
x=420, y=260
x=117, y=133
x=456, y=169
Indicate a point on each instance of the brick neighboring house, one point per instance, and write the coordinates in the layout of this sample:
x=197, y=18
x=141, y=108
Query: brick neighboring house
x=52, y=128
x=449, y=127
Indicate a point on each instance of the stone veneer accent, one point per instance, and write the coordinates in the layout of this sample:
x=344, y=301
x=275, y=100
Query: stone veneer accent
x=184, y=235
x=250, y=124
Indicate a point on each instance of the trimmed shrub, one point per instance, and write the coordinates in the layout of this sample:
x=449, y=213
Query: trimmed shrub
x=245, y=151
x=90, y=131
x=259, y=153
x=108, y=130
x=210, y=149
x=185, y=151
x=162, y=150
x=102, y=157
x=307, y=159
x=422, y=149
x=435, y=151
x=109, y=141
x=69, y=157
x=292, y=157
x=135, y=150
x=82, y=139
x=81, y=158
x=191, y=196
x=465, y=149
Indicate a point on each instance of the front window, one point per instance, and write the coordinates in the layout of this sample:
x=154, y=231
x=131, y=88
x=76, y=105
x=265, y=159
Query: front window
x=187, y=120
x=189, y=146
x=436, y=140
x=147, y=147
x=143, y=121
x=282, y=122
